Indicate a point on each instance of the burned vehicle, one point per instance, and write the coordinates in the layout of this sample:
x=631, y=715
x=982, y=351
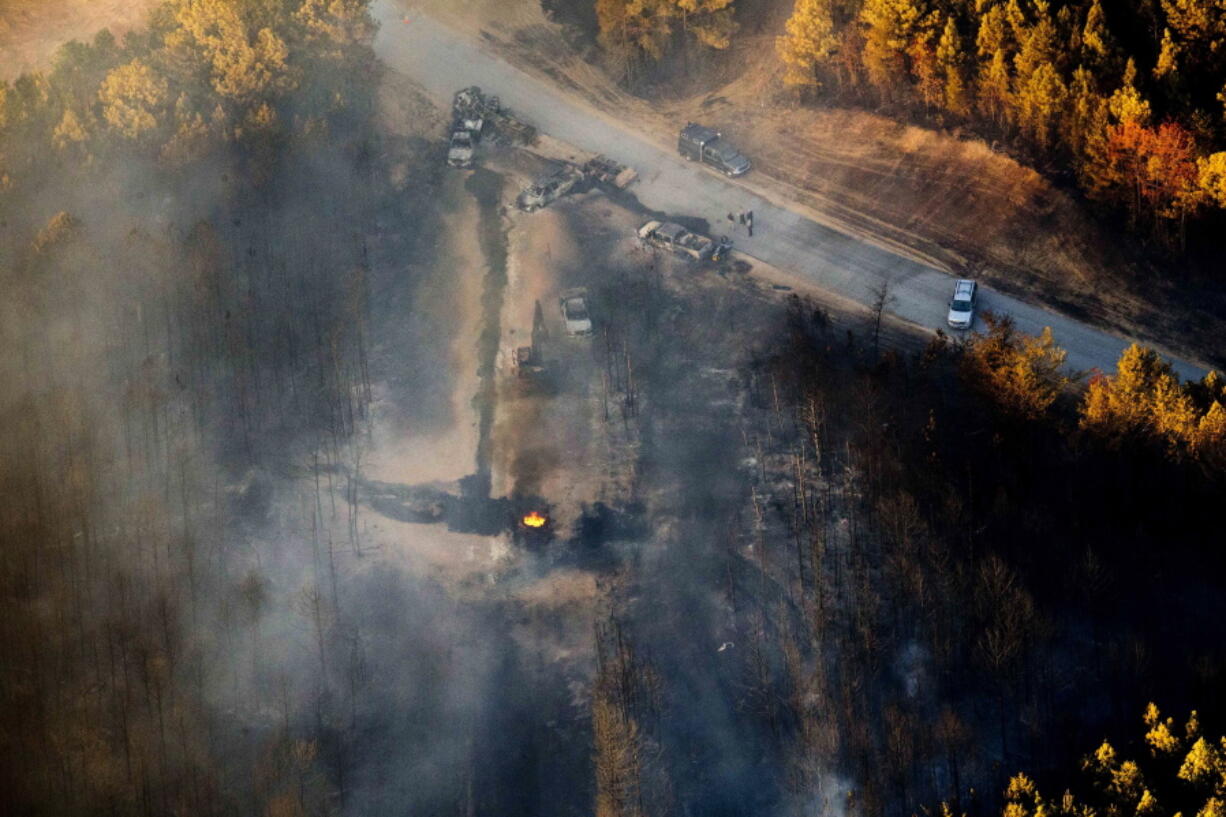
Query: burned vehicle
x=599, y=172
x=549, y=187
x=702, y=144
x=575, y=316
x=674, y=238
x=460, y=150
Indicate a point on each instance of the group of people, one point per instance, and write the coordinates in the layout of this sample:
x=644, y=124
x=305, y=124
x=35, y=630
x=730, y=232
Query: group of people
x=746, y=219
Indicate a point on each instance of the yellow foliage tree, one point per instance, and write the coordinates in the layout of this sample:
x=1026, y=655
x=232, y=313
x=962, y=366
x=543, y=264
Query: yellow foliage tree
x=1160, y=737
x=950, y=59
x=70, y=132
x=1127, y=104
x=1201, y=763
x=1212, y=175
x=808, y=42
x=1121, y=785
x=1168, y=57
x=1040, y=99
x=1096, y=39
x=709, y=21
x=996, y=88
x=245, y=64
x=1145, y=397
x=633, y=28
x=132, y=97
x=339, y=22
x=1022, y=373
x=890, y=27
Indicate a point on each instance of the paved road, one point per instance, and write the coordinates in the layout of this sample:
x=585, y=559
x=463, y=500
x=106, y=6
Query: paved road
x=442, y=61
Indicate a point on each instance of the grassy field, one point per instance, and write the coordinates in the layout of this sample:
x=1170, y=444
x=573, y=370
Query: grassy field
x=31, y=30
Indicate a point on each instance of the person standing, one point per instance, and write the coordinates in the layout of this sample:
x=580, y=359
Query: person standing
x=749, y=222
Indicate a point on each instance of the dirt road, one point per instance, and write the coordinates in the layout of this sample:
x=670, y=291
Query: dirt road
x=443, y=61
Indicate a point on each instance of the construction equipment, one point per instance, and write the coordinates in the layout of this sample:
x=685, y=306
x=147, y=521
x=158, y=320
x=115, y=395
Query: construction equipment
x=529, y=361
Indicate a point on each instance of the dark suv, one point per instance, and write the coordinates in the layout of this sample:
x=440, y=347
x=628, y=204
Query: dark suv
x=699, y=143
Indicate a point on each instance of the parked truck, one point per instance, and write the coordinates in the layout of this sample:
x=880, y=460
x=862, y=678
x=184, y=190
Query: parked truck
x=702, y=144
x=676, y=239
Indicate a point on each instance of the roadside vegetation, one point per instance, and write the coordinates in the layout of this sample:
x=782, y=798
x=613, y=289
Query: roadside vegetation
x=1129, y=97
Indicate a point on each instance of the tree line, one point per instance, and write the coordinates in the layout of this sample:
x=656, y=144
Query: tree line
x=1131, y=96
x=185, y=316
x=966, y=562
x=637, y=32
x=202, y=74
x=1180, y=770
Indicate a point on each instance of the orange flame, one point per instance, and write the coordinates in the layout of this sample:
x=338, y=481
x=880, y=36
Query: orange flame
x=535, y=520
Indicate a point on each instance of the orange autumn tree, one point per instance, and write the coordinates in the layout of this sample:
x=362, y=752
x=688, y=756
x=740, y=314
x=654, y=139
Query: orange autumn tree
x=1155, y=168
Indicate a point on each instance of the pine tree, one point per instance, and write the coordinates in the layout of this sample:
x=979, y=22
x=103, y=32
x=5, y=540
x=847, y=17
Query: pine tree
x=809, y=41
x=708, y=21
x=950, y=60
x=1096, y=40
x=891, y=26
x=993, y=35
x=1211, y=176
x=995, y=89
x=1084, y=126
x=1023, y=374
x=132, y=97
x=1040, y=99
x=1167, y=66
x=1127, y=104
x=1038, y=49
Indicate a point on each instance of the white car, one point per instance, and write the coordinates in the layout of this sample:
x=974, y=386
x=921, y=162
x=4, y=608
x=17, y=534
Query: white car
x=962, y=305
x=574, y=312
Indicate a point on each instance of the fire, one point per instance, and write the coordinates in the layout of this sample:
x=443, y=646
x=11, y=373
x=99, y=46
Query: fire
x=535, y=520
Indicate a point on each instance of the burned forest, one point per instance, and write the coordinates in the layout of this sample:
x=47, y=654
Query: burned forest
x=411, y=408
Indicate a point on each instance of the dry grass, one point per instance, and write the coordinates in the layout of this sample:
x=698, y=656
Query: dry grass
x=31, y=30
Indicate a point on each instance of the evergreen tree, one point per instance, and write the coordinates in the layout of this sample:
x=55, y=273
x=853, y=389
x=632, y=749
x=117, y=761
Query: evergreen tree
x=1096, y=41
x=1040, y=99
x=950, y=59
x=809, y=41
x=132, y=98
x=996, y=89
x=890, y=28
